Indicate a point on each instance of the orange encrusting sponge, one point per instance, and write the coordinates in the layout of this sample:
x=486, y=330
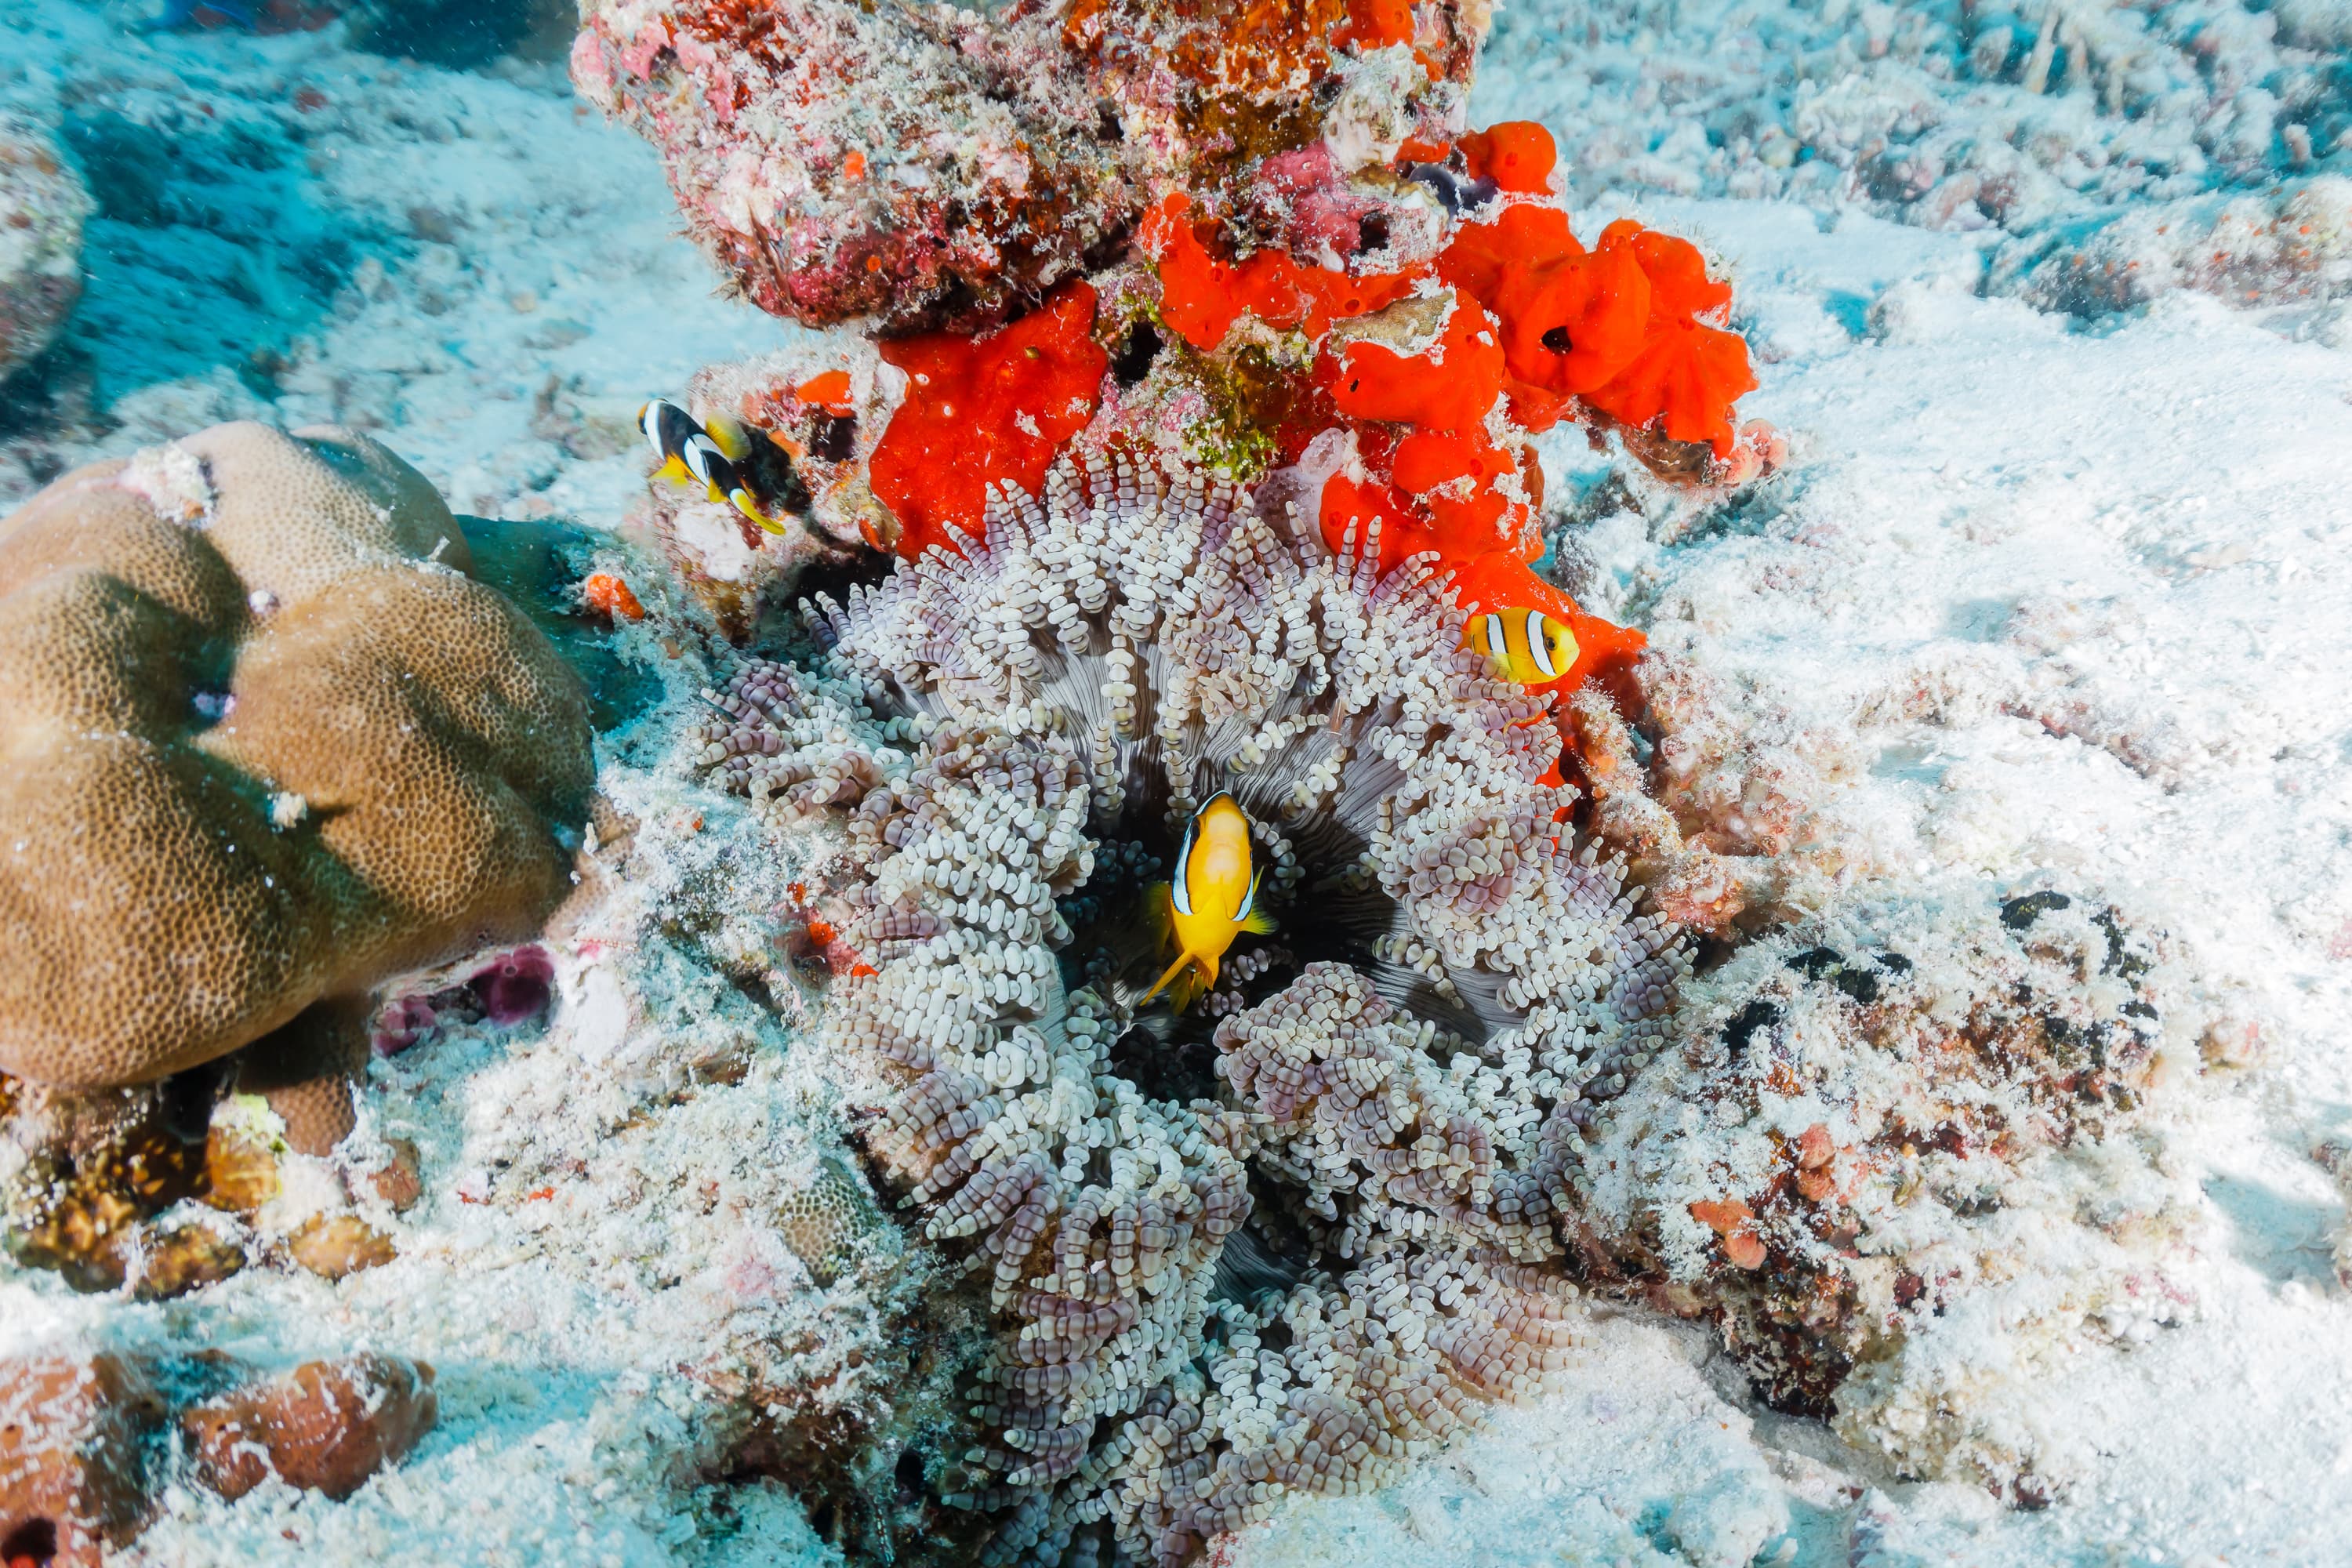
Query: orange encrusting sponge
x=984, y=409
x=1201, y=297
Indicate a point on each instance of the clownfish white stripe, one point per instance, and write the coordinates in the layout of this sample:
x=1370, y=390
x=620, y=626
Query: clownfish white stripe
x=1537, y=646
x=1182, y=884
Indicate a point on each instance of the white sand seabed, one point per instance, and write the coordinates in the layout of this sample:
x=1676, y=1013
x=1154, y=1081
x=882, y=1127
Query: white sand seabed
x=2079, y=595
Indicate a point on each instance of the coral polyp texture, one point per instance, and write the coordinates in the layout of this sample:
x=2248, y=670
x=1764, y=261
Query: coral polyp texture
x=1206, y=1296
x=268, y=744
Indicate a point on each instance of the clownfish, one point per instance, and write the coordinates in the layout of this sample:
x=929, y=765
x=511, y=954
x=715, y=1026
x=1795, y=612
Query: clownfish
x=1530, y=646
x=1213, y=899
x=688, y=454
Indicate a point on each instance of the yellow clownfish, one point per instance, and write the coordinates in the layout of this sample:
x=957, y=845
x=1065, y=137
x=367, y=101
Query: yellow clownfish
x=1213, y=899
x=1530, y=646
x=690, y=454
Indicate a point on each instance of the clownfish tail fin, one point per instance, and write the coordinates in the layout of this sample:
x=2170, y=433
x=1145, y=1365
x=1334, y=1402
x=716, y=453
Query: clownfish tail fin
x=750, y=509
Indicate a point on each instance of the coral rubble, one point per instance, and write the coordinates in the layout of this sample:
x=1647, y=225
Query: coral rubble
x=274, y=746
x=73, y=1436
x=325, y=1427
x=1007, y=734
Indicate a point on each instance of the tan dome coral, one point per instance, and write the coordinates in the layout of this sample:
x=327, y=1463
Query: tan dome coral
x=267, y=744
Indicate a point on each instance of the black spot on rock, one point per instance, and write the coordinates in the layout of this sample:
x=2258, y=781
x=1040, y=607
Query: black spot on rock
x=2022, y=912
x=1858, y=984
x=1757, y=1014
x=835, y=439
x=1135, y=352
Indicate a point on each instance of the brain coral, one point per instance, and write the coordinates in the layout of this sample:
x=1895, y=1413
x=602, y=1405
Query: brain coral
x=1288, y=1240
x=269, y=744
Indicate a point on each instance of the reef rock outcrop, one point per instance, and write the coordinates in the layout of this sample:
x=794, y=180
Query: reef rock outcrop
x=937, y=168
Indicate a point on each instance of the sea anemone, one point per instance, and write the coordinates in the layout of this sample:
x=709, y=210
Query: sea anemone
x=1289, y=1239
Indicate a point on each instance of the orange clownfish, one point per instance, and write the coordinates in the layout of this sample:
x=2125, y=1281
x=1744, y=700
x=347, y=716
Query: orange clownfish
x=1528, y=645
x=1213, y=899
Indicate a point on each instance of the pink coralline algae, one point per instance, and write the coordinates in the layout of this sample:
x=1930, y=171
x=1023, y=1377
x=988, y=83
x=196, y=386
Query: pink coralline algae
x=914, y=166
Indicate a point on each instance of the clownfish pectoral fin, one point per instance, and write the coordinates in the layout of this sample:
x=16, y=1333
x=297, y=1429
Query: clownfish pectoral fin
x=674, y=470
x=1249, y=917
x=749, y=507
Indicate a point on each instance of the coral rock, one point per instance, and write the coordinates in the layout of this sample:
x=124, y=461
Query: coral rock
x=43, y=205
x=965, y=170
x=1883, y=1135
x=326, y=1427
x=72, y=1474
x=99, y=1166
x=334, y=1246
x=272, y=745
x=185, y=1257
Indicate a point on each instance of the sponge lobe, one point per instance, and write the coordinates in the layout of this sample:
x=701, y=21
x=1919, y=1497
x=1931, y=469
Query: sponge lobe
x=266, y=743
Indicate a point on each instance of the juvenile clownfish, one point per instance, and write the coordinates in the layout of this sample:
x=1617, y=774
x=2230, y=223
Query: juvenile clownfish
x=687, y=454
x=1530, y=646
x=1213, y=899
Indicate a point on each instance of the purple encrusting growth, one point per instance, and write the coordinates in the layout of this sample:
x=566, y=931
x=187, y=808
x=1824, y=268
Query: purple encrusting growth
x=402, y=1024
x=515, y=989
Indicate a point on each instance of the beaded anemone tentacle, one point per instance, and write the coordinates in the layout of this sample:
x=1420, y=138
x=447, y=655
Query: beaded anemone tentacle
x=1294, y=1237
